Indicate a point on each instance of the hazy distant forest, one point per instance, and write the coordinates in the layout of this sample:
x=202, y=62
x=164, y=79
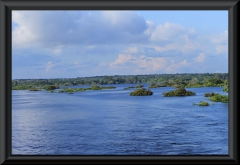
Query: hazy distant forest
x=174, y=80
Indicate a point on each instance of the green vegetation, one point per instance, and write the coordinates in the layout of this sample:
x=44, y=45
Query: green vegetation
x=179, y=92
x=225, y=87
x=141, y=92
x=179, y=81
x=154, y=85
x=93, y=87
x=139, y=86
x=178, y=86
x=183, y=80
x=209, y=94
x=50, y=87
x=96, y=87
x=34, y=89
x=71, y=90
x=22, y=87
x=202, y=103
x=108, y=87
x=219, y=98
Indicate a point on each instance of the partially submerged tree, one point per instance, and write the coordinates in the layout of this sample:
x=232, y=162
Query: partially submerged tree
x=225, y=87
x=179, y=92
x=141, y=92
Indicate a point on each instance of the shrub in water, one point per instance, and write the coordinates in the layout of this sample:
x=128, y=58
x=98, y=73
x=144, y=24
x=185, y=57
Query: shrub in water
x=139, y=86
x=219, y=98
x=95, y=87
x=179, y=92
x=141, y=92
x=34, y=89
x=153, y=85
x=203, y=103
x=209, y=94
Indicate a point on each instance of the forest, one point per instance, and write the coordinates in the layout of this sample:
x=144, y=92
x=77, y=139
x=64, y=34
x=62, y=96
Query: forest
x=156, y=80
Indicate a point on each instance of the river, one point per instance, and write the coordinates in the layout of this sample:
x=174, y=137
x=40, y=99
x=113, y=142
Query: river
x=111, y=122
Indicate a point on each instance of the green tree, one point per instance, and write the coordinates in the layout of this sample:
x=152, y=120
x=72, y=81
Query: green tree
x=225, y=87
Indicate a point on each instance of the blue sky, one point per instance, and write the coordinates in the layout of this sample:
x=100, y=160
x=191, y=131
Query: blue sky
x=69, y=44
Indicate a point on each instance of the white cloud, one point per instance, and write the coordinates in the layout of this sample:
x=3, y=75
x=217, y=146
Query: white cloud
x=49, y=66
x=122, y=60
x=57, y=51
x=139, y=65
x=150, y=29
x=201, y=57
x=222, y=49
x=178, y=67
x=219, y=38
x=184, y=47
x=53, y=28
x=130, y=50
x=24, y=34
x=217, y=41
x=169, y=31
x=170, y=36
x=92, y=37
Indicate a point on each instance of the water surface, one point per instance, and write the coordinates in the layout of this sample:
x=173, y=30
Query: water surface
x=110, y=122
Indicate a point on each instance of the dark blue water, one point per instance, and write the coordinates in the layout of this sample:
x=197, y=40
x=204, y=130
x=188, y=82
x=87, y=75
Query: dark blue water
x=110, y=122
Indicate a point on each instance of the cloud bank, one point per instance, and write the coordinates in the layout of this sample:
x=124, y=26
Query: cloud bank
x=87, y=43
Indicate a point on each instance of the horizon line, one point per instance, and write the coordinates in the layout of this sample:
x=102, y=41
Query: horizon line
x=121, y=75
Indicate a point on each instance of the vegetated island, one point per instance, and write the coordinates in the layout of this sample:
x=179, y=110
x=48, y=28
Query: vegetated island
x=141, y=92
x=154, y=85
x=202, y=103
x=93, y=87
x=179, y=92
x=219, y=98
x=216, y=97
x=179, y=81
x=210, y=94
x=131, y=87
x=51, y=88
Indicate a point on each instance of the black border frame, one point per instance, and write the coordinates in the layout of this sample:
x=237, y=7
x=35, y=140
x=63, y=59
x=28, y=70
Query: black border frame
x=6, y=6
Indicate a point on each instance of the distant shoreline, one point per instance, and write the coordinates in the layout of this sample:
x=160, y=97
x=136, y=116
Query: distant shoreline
x=162, y=74
x=156, y=80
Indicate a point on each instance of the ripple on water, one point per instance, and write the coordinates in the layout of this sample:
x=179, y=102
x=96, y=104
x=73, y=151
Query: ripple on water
x=98, y=124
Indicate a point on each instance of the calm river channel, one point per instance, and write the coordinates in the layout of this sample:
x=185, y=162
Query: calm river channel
x=111, y=122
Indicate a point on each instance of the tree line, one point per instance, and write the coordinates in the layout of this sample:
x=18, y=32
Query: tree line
x=175, y=80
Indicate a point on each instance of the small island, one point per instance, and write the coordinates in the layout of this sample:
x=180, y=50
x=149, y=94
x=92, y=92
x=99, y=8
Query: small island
x=141, y=92
x=209, y=94
x=219, y=98
x=131, y=87
x=153, y=85
x=202, y=103
x=96, y=87
x=216, y=97
x=34, y=89
x=137, y=86
x=93, y=87
x=179, y=92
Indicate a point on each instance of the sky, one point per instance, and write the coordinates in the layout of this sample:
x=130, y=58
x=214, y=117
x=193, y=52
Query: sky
x=70, y=44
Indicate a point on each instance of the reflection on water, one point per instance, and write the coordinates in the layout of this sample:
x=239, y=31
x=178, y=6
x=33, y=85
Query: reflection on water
x=110, y=122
